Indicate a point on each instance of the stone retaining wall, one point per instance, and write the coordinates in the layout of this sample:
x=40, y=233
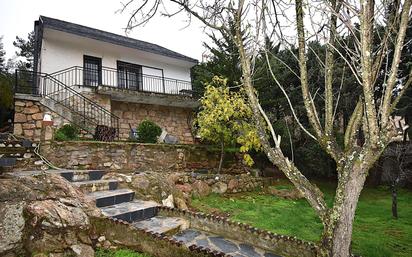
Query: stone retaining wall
x=137, y=157
x=28, y=118
x=175, y=120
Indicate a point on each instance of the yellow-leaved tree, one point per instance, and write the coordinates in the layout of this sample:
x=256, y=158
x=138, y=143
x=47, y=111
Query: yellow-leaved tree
x=226, y=119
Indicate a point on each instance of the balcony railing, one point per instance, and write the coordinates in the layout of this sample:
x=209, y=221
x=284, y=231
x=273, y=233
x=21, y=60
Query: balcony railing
x=79, y=76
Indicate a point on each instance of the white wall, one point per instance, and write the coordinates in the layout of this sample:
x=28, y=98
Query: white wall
x=61, y=50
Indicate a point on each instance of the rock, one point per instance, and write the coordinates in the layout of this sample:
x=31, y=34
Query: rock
x=116, y=166
x=219, y=188
x=292, y=194
x=19, y=103
x=11, y=226
x=37, y=117
x=83, y=250
x=107, y=244
x=27, y=155
x=39, y=162
x=173, y=178
x=186, y=188
x=140, y=181
x=232, y=184
x=31, y=110
x=168, y=201
x=28, y=132
x=107, y=164
x=2, y=145
x=169, y=139
x=20, y=118
x=18, y=129
x=101, y=239
x=181, y=204
x=201, y=188
x=44, y=214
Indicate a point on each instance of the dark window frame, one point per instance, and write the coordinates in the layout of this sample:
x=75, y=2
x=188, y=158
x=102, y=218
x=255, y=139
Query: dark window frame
x=123, y=78
x=86, y=79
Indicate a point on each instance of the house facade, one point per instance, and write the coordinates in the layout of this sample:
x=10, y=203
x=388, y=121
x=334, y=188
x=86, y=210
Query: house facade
x=91, y=77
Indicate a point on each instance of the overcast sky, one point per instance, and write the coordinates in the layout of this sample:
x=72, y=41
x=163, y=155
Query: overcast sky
x=17, y=18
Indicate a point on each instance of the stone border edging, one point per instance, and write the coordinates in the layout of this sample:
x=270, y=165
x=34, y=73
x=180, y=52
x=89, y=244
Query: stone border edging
x=170, y=240
x=266, y=236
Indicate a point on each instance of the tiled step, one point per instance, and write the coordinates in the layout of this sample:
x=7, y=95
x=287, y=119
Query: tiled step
x=231, y=247
x=7, y=161
x=163, y=225
x=80, y=175
x=131, y=211
x=97, y=185
x=106, y=198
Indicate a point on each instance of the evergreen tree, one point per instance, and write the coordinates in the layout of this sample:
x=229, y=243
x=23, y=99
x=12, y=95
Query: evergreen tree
x=224, y=62
x=25, y=50
x=2, y=56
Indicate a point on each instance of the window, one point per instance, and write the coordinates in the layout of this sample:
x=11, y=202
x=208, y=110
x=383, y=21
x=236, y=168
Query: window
x=92, y=74
x=129, y=75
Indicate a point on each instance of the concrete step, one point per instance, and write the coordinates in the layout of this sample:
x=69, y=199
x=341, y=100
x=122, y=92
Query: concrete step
x=80, y=175
x=163, y=225
x=97, y=185
x=112, y=197
x=131, y=211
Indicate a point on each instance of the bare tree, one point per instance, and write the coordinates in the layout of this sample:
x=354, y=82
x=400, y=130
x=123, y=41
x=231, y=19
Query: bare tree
x=296, y=23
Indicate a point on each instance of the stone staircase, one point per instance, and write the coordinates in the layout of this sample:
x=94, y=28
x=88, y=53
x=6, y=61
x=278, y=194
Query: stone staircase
x=119, y=203
x=14, y=152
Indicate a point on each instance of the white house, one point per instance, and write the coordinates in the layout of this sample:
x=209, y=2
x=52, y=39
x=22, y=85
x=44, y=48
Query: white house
x=108, y=79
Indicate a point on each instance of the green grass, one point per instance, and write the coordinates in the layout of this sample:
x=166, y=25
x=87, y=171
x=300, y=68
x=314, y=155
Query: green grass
x=118, y=253
x=376, y=233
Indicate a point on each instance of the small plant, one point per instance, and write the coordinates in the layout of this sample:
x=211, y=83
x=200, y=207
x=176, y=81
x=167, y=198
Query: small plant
x=67, y=132
x=148, y=131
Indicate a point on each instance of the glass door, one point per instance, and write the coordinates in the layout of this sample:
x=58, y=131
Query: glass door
x=129, y=75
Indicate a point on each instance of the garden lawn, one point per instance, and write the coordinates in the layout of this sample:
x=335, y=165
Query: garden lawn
x=376, y=233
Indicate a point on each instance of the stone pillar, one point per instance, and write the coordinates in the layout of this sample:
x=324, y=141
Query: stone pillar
x=47, y=128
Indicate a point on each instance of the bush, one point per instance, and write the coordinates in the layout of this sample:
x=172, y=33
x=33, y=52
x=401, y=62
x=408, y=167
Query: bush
x=148, y=132
x=67, y=132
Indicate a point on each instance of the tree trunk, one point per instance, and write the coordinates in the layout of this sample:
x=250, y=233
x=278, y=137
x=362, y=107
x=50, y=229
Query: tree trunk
x=337, y=235
x=222, y=154
x=394, y=201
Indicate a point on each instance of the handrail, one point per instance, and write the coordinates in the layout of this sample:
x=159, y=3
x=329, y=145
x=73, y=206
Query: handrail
x=78, y=94
x=113, y=69
x=46, y=85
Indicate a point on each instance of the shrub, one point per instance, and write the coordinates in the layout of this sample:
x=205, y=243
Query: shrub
x=67, y=132
x=148, y=131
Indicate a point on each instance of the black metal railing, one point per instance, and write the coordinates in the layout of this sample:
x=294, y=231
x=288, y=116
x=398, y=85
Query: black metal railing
x=84, y=112
x=131, y=80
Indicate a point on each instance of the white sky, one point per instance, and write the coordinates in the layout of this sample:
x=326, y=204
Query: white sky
x=17, y=18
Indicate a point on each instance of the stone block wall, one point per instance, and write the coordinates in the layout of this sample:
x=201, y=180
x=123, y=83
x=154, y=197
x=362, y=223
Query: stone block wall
x=136, y=156
x=175, y=120
x=28, y=119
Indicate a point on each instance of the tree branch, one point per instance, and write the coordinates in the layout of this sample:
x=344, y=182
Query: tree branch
x=386, y=106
